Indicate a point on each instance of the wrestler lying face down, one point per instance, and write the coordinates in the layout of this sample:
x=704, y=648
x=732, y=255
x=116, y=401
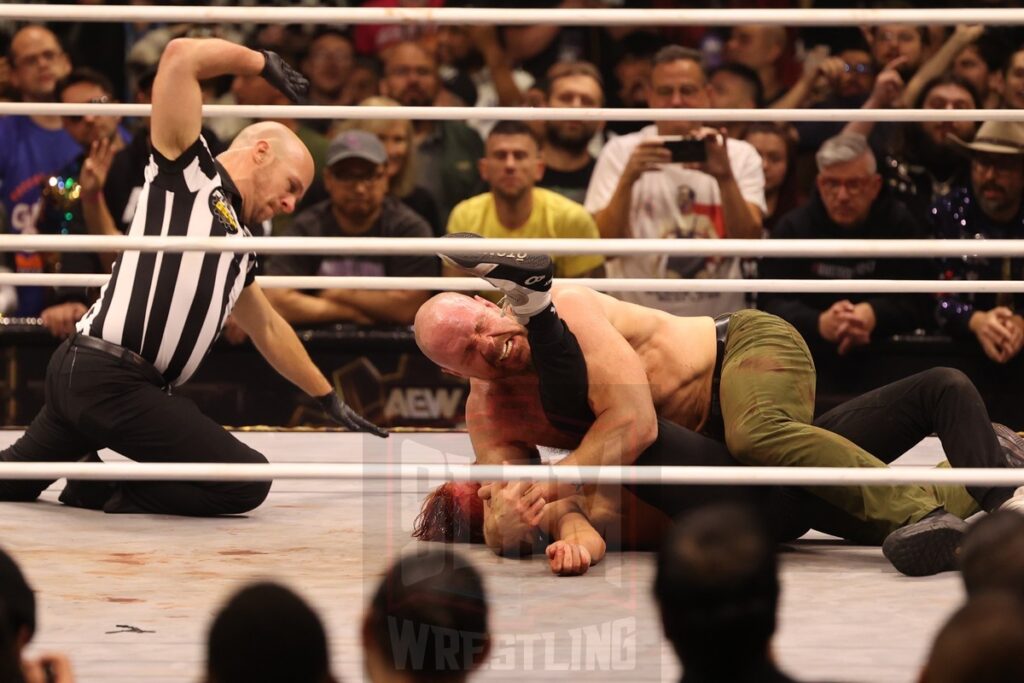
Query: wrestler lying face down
x=652, y=382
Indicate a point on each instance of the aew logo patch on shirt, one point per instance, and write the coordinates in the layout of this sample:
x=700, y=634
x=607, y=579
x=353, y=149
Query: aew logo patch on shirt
x=220, y=207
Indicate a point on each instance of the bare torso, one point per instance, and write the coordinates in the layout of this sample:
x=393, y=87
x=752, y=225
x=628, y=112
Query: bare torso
x=678, y=355
x=507, y=422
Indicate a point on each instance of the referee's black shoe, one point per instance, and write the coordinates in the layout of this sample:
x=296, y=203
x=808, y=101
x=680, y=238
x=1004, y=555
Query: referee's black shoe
x=928, y=546
x=525, y=279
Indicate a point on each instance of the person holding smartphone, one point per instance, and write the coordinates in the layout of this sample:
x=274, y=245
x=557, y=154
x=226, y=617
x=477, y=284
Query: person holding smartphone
x=635, y=188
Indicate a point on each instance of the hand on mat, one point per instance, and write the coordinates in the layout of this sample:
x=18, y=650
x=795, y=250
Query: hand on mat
x=290, y=82
x=348, y=418
x=568, y=559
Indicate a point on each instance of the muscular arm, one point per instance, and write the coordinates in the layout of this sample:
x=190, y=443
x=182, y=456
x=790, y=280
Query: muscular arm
x=276, y=341
x=177, y=98
x=619, y=390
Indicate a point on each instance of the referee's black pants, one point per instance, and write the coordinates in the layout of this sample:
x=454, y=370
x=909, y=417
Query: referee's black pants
x=95, y=400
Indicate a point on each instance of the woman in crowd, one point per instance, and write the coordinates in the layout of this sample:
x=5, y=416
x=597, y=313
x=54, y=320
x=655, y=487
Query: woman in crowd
x=776, y=143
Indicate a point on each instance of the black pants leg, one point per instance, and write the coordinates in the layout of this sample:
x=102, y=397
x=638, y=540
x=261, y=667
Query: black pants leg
x=890, y=420
x=106, y=402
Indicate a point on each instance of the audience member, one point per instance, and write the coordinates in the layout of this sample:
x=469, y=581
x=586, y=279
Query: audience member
x=265, y=632
x=760, y=48
x=920, y=162
x=568, y=163
x=632, y=71
x=992, y=553
x=34, y=146
x=1013, y=80
x=638, y=191
x=717, y=589
x=428, y=620
x=989, y=208
x=359, y=206
x=475, y=68
x=397, y=137
x=328, y=65
x=851, y=203
x=776, y=144
x=979, y=64
x=515, y=207
x=447, y=151
x=904, y=44
x=17, y=626
x=981, y=643
x=69, y=205
x=735, y=86
x=941, y=61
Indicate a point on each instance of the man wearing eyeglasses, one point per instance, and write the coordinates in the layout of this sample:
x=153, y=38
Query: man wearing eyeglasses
x=989, y=207
x=33, y=147
x=850, y=203
x=359, y=206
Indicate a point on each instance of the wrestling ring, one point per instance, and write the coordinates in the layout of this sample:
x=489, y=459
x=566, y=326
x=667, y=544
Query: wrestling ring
x=129, y=596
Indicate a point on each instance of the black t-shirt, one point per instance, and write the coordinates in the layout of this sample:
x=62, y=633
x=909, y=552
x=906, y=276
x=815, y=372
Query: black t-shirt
x=570, y=184
x=396, y=220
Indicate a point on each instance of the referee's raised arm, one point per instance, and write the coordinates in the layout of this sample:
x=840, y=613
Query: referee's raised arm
x=177, y=97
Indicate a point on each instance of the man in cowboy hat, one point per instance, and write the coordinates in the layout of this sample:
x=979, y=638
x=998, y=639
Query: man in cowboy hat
x=991, y=208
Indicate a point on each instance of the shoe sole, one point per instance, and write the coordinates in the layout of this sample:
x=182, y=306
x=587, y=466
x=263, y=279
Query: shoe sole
x=925, y=551
x=504, y=270
x=1012, y=443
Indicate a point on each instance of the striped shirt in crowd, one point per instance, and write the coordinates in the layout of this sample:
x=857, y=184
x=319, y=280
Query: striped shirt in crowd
x=170, y=307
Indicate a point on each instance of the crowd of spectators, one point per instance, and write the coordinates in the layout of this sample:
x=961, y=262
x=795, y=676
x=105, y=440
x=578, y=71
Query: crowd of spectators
x=587, y=178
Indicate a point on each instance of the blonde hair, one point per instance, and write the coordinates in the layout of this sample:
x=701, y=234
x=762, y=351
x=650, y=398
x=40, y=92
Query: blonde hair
x=404, y=181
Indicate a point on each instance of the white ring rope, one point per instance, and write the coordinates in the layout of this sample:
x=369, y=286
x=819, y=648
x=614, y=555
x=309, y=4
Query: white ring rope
x=605, y=474
x=358, y=246
x=472, y=284
x=512, y=17
x=524, y=113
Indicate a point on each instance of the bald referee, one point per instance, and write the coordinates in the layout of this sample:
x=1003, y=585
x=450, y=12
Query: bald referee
x=157, y=317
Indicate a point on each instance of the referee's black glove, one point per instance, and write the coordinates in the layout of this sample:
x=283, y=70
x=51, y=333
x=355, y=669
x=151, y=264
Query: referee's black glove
x=346, y=417
x=290, y=82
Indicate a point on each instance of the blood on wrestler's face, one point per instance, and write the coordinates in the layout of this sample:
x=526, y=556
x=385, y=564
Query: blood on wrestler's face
x=492, y=345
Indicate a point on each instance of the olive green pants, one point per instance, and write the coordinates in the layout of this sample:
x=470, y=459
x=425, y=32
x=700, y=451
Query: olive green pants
x=767, y=397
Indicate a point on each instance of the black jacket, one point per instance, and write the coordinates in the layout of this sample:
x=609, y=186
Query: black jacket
x=894, y=313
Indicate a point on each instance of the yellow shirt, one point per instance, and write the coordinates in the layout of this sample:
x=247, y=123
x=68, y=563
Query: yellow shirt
x=553, y=216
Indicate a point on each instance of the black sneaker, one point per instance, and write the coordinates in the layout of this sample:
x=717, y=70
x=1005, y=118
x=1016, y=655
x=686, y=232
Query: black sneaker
x=524, y=278
x=1012, y=443
x=926, y=547
x=87, y=493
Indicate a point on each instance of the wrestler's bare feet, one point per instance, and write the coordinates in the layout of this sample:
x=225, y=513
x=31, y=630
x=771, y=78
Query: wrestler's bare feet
x=524, y=278
x=928, y=546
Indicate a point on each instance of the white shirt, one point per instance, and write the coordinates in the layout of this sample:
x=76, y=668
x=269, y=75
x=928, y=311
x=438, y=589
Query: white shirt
x=658, y=212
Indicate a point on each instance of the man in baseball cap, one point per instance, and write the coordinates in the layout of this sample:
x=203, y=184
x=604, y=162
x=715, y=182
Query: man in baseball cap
x=359, y=206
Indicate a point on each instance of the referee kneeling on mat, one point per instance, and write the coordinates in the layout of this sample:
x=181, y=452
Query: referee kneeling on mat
x=155, y=320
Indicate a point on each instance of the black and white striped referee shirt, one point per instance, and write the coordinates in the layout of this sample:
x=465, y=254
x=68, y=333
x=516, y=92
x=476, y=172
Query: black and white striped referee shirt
x=170, y=307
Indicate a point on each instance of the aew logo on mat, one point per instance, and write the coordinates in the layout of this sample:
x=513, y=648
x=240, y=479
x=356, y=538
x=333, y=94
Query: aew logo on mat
x=415, y=394
x=222, y=211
